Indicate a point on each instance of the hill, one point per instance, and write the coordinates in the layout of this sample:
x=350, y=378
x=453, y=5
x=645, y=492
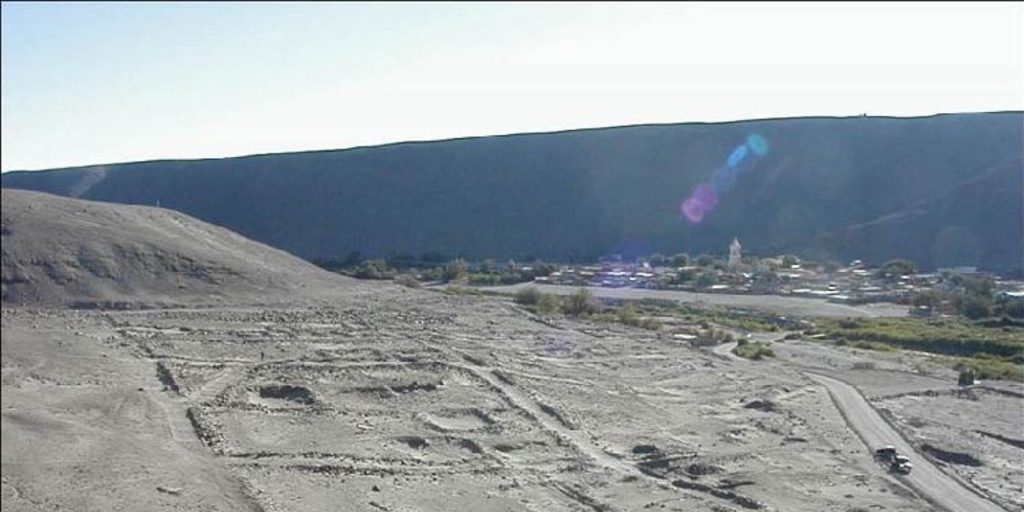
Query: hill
x=60, y=252
x=838, y=188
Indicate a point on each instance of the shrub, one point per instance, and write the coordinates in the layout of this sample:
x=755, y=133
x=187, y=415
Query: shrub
x=754, y=351
x=408, y=281
x=966, y=377
x=580, y=303
x=548, y=305
x=528, y=296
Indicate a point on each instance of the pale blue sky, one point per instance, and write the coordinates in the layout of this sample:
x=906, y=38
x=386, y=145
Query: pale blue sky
x=114, y=82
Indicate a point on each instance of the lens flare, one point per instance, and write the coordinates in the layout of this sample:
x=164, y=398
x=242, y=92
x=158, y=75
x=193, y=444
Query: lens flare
x=706, y=195
x=757, y=144
x=737, y=156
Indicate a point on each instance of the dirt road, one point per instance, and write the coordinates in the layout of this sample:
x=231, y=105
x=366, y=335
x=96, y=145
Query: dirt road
x=799, y=306
x=925, y=477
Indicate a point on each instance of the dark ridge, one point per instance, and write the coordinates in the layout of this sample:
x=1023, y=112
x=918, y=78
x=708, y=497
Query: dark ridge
x=944, y=190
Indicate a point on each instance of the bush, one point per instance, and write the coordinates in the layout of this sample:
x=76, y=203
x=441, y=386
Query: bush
x=408, y=281
x=548, y=305
x=754, y=351
x=966, y=377
x=529, y=296
x=580, y=303
x=374, y=269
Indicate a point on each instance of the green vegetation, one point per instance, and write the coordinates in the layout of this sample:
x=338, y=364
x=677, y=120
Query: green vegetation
x=583, y=304
x=735, y=318
x=967, y=377
x=894, y=269
x=455, y=271
x=987, y=368
x=994, y=349
x=579, y=303
x=950, y=336
x=627, y=314
x=543, y=304
x=754, y=351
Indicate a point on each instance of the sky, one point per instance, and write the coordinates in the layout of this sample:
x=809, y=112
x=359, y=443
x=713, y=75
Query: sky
x=95, y=83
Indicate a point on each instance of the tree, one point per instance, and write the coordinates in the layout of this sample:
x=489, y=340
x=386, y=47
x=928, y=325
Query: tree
x=707, y=279
x=657, y=260
x=789, y=260
x=975, y=307
x=455, y=270
x=967, y=377
x=706, y=260
x=930, y=299
x=893, y=269
x=685, y=276
x=680, y=260
x=1011, y=307
x=541, y=269
x=488, y=266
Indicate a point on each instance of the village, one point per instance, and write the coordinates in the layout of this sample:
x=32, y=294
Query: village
x=856, y=282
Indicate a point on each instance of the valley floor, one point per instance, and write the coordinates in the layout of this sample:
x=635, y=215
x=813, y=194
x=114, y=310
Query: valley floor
x=400, y=400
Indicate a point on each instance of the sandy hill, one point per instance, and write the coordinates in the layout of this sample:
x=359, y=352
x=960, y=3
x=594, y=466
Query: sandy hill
x=70, y=252
x=827, y=187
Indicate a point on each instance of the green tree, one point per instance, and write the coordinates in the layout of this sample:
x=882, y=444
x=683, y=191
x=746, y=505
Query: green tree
x=488, y=266
x=893, y=269
x=966, y=378
x=789, y=260
x=685, y=276
x=707, y=279
x=975, y=307
x=1012, y=307
x=455, y=271
x=930, y=299
x=541, y=269
x=706, y=260
x=680, y=260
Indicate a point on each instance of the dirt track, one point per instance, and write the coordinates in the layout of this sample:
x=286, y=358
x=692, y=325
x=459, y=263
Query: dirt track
x=925, y=477
x=797, y=306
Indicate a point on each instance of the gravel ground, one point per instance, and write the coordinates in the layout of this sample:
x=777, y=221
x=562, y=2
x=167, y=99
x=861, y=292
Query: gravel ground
x=399, y=399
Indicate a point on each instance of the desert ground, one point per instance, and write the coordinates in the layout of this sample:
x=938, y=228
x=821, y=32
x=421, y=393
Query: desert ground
x=385, y=398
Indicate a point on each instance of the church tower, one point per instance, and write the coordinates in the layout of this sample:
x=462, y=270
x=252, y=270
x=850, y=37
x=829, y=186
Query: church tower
x=735, y=256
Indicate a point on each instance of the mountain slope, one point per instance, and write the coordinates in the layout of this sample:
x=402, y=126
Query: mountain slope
x=974, y=224
x=59, y=251
x=591, y=192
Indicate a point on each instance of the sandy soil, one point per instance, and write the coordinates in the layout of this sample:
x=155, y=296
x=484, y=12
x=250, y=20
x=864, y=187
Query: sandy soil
x=404, y=400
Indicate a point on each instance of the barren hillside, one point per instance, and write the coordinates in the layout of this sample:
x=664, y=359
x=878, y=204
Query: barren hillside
x=59, y=251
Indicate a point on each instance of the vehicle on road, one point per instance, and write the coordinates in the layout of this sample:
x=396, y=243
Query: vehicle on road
x=901, y=464
x=885, y=453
